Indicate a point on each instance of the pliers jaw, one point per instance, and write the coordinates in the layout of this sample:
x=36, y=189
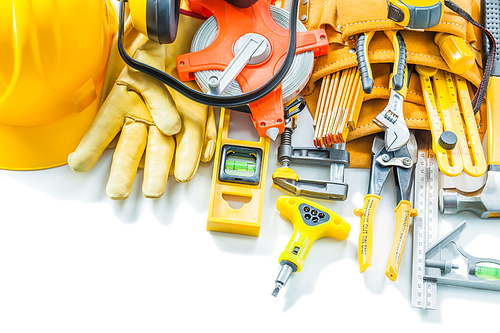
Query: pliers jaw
x=404, y=174
x=378, y=171
x=402, y=161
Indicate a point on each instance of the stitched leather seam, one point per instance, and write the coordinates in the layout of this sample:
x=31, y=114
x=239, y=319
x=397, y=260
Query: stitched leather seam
x=388, y=20
x=409, y=91
x=341, y=60
x=139, y=120
x=375, y=52
x=363, y=22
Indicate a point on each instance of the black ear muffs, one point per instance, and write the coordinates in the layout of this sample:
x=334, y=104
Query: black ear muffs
x=162, y=18
x=242, y=3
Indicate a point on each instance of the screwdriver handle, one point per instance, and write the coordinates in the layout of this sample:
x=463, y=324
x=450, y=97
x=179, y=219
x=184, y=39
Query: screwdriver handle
x=403, y=213
x=311, y=222
x=455, y=51
x=365, y=244
x=297, y=249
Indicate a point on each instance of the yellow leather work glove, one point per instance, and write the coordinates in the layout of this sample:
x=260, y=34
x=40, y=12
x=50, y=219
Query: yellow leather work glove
x=156, y=124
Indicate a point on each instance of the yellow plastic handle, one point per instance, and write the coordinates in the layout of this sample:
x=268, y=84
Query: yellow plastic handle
x=455, y=52
x=493, y=107
x=403, y=213
x=367, y=215
x=311, y=221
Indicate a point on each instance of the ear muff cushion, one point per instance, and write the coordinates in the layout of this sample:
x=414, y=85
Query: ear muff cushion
x=242, y=3
x=162, y=18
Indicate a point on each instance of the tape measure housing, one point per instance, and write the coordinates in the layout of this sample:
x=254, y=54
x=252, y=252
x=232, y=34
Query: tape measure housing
x=415, y=14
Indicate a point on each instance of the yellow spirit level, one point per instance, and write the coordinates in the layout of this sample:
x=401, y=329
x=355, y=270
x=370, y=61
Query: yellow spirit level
x=239, y=173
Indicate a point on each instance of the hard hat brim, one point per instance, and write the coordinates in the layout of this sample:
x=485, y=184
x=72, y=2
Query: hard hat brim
x=44, y=146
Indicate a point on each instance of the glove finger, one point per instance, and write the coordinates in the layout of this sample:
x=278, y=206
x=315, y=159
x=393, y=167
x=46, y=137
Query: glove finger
x=188, y=151
x=162, y=108
x=101, y=133
x=159, y=154
x=143, y=160
x=155, y=94
x=128, y=154
x=210, y=137
x=114, y=142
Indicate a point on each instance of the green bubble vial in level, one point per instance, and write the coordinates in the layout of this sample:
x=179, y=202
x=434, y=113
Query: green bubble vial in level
x=488, y=271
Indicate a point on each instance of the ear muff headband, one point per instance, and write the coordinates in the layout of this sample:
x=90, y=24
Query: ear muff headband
x=162, y=18
x=238, y=102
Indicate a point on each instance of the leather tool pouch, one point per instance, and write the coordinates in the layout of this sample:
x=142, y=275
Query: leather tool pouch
x=343, y=20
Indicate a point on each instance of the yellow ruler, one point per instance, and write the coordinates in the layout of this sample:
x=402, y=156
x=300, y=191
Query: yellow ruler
x=448, y=108
x=476, y=164
x=338, y=107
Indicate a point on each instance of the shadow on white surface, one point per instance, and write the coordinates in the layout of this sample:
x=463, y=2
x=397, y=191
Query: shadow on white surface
x=63, y=183
x=248, y=245
x=196, y=192
x=304, y=283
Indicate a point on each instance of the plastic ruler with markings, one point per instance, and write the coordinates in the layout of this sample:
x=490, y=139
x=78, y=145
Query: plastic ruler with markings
x=449, y=108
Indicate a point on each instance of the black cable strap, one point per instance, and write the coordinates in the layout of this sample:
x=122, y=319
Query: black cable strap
x=490, y=60
x=238, y=102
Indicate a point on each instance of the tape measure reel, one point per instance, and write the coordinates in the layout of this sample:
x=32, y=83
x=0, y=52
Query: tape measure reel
x=296, y=78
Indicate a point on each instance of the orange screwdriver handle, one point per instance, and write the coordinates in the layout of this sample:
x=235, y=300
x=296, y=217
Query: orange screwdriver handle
x=403, y=214
x=367, y=215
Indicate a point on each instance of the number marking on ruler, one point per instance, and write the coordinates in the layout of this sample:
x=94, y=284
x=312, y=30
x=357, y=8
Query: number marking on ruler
x=426, y=202
x=477, y=166
x=435, y=114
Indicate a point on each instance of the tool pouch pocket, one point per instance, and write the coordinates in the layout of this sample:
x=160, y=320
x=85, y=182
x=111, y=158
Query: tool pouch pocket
x=344, y=20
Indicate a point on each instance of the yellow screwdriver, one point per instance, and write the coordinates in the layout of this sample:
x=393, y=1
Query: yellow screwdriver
x=311, y=222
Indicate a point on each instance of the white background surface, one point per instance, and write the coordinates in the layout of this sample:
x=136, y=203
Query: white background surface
x=72, y=260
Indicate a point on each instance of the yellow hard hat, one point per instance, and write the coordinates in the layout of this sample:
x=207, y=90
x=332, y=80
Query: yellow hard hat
x=53, y=55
